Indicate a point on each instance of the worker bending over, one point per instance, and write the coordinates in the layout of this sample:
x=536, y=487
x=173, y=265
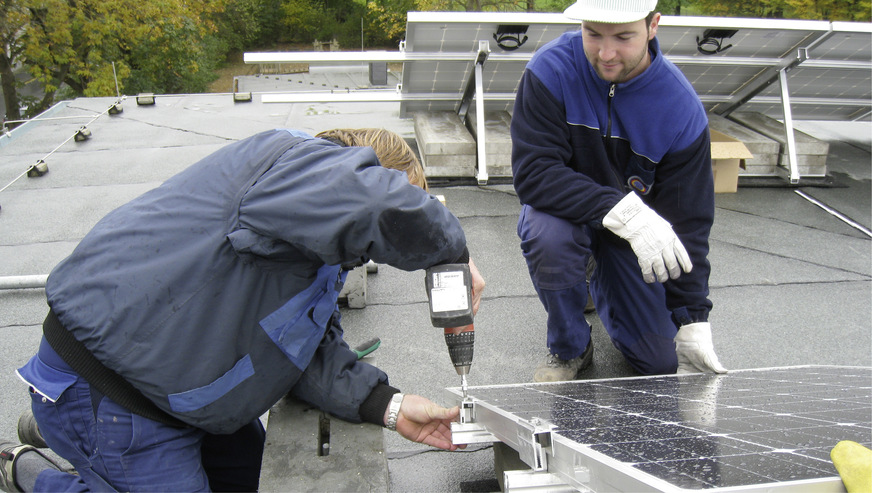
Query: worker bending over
x=184, y=315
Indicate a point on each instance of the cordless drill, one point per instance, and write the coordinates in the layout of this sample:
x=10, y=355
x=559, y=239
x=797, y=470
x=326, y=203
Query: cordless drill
x=449, y=290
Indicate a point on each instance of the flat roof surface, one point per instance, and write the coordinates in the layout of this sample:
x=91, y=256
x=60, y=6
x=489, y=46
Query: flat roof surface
x=791, y=283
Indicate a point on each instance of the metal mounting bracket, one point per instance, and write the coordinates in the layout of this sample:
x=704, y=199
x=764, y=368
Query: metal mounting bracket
x=531, y=481
x=467, y=433
x=481, y=423
x=534, y=437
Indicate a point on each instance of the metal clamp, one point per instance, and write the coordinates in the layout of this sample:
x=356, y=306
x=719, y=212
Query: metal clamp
x=467, y=411
x=534, y=438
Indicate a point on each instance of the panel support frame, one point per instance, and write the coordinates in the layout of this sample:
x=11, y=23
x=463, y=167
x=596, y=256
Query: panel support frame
x=475, y=89
x=790, y=142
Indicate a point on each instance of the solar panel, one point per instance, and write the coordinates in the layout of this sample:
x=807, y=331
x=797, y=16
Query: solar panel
x=446, y=32
x=752, y=430
x=828, y=65
x=784, y=69
x=730, y=62
x=830, y=82
x=834, y=82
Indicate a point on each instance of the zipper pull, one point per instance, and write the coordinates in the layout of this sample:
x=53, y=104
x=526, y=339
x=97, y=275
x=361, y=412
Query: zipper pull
x=612, y=90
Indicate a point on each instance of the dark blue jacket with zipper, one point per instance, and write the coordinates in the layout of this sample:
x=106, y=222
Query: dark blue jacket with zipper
x=580, y=144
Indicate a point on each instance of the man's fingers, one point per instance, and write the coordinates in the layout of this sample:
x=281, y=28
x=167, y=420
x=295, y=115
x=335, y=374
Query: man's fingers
x=714, y=364
x=647, y=270
x=658, y=271
x=682, y=256
x=439, y=412
x=677, y=259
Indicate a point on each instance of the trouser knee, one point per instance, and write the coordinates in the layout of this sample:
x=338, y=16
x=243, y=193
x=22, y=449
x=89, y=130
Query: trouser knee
x=651, y=355
x=556, y=250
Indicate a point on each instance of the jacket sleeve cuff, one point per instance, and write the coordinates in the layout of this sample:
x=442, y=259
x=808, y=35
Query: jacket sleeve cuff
x=373, y=408
x=462, y=259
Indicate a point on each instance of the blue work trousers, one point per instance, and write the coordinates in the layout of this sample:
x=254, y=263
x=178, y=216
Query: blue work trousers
x=113, y=449
x=633, y=312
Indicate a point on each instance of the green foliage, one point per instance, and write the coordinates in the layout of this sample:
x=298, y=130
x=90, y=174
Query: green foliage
x=84, y=46
x=250, y=23
x=833, y=10
x=551, y=5
x=385, y=21
x=304, y=21
x=323, y=20
x=13, y=18
x=179, y=61
x=670, y=7
x=830, y=10
x=477, y=5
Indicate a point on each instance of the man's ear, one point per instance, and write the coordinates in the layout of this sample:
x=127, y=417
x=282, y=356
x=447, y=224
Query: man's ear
x=652, y=29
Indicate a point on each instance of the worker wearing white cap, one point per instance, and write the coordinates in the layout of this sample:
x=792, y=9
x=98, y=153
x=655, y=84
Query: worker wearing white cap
x=611, y=160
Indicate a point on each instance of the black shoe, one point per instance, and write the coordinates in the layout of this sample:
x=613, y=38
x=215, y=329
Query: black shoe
x=28, y=431
x=10, y=453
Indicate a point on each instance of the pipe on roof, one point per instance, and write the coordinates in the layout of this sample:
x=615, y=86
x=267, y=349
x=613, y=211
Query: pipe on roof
x=23, y=282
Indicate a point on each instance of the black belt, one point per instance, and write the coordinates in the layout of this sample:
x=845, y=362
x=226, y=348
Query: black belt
x=104, y=379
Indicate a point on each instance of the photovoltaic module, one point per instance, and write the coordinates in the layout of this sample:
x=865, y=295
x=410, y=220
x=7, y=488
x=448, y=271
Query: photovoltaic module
x=748, y=430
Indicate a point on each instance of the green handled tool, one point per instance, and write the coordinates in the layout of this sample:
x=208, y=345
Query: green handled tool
x=367, y=347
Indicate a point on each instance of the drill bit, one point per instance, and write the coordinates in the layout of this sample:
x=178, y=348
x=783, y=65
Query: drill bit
x=463, y=386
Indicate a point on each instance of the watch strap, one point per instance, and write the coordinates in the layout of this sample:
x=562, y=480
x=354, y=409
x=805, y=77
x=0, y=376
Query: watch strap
x=394, y=411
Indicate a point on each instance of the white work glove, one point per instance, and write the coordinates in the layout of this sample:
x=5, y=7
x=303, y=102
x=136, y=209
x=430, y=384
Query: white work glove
x=661, y=254
x=695, y=350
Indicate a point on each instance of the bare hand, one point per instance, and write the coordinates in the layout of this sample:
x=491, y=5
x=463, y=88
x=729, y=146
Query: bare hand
x=477, y=286
x=423, y=421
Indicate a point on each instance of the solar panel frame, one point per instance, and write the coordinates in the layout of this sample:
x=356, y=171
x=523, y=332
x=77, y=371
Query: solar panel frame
x=750, y=430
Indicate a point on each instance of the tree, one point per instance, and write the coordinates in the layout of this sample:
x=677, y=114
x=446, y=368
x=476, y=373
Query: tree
x=180, y=60
x=474, y=5
x=82, y=47
x=830, y=10
x=250, y=23
x=13, y=20
x=324, y=20
x=386, y=21
x=670, y=7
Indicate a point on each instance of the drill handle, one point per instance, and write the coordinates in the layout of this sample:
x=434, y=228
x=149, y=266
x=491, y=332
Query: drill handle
x=449, y=292
x=460, y=329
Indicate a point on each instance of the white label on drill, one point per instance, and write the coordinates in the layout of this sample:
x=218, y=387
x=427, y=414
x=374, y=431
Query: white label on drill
x=449, y=292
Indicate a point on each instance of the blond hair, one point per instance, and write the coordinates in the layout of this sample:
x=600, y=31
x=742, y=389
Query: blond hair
x=392, y=151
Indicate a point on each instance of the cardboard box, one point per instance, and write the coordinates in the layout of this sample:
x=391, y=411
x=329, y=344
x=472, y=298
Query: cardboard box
x=728, y=155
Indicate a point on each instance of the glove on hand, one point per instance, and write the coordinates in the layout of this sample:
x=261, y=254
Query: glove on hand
x=660, y=252
x=695, y=350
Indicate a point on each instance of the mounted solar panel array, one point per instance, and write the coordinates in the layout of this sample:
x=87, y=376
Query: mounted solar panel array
x=736, y=62
x=730, y=62
x=749, y=430
x=784, y=69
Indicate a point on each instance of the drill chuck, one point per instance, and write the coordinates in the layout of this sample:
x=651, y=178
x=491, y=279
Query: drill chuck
x=460, y=347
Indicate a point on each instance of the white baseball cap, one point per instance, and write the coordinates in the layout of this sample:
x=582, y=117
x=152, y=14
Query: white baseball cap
x=610, y=11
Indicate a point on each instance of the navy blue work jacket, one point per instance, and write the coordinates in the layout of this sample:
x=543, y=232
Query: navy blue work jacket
x=212, y=292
